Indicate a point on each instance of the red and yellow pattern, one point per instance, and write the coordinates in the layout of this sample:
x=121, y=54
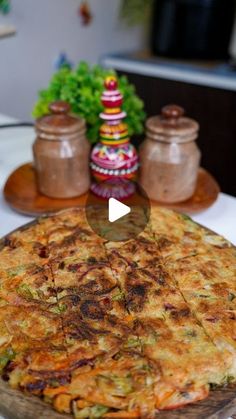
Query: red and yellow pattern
x=113, y=156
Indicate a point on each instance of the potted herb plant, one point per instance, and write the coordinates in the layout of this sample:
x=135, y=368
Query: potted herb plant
x=4, y=6
x=82, y=89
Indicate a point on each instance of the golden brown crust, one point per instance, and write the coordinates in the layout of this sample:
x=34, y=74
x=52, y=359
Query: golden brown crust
x=117, y=328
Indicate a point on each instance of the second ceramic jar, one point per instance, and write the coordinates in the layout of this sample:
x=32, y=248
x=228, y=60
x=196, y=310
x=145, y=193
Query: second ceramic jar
x=61, y=153
x=169, y=156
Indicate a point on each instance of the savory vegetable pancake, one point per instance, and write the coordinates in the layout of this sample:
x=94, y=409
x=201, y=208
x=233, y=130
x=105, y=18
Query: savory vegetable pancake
x=117, y=329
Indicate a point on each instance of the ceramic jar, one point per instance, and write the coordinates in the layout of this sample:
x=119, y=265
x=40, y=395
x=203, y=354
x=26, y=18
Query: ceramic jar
x=169, y=156
x=61, y=153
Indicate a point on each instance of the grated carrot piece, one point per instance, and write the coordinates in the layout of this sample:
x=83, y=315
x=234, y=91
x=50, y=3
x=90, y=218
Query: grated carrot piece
x=51, y=392
x=122, y=414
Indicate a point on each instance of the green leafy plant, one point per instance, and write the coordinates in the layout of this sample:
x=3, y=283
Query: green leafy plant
x=82, y=88
x=136, y=11
x=4, y=6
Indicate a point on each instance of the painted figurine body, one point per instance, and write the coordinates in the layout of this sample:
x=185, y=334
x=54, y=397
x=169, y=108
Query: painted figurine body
x=114, y=159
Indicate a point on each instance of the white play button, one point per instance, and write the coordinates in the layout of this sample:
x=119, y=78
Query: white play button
x=116, y=210
x=113, y=218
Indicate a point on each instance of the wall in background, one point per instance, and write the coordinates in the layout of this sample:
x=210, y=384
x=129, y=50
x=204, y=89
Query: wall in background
x=44, y=29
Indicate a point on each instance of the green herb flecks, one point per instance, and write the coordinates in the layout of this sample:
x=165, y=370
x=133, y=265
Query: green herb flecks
x=60, y=308
x=231, y=296
x=186, y=217
x=132, y=343
x=93, y=412
x=119, y=296
x=12, y=272
x=24, y=291
x=119, y=386
x=8, y=355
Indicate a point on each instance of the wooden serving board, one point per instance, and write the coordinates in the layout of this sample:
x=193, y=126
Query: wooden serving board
x=221, y=404
x=21, y=193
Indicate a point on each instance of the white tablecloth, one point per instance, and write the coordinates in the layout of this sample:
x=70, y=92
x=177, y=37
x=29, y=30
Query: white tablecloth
x=15, y=149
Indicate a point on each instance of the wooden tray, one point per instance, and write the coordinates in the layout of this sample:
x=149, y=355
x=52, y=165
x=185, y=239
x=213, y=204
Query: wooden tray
x=21, y=193
x=220, y=404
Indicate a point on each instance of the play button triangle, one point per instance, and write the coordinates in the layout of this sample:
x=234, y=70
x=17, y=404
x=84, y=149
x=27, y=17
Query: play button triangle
x=116, y=210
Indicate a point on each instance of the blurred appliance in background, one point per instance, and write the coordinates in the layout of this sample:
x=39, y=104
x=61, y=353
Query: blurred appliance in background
x=193, y=29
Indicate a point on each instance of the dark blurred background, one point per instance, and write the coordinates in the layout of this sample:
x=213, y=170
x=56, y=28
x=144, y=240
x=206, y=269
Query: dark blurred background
x=190, y=60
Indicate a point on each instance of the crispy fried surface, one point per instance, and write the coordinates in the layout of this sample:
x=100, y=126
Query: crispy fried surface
x=103, y=329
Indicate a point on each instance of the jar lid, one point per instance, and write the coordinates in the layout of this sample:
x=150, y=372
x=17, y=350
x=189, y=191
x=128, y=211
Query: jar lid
x=59, y=122
x=171, y=125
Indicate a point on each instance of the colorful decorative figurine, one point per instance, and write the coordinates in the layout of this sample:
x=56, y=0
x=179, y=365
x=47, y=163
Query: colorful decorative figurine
x=114, y=159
